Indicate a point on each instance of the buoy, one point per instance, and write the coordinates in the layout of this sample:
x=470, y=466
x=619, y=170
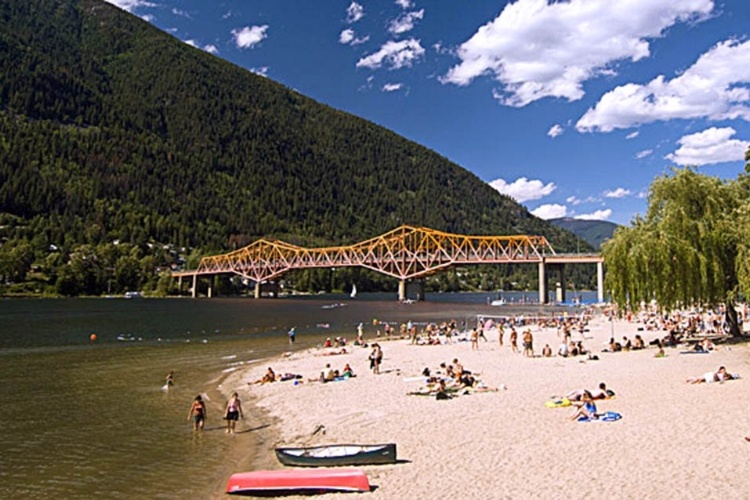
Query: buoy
x=92, y=337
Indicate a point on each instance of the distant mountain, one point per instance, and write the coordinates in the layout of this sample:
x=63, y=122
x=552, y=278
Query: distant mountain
x=594, y=232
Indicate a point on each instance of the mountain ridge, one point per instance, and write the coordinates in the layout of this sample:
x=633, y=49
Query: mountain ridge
x=111, y=130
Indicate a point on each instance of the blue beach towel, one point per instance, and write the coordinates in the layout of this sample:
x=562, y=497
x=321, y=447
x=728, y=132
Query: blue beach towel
x=609, y=416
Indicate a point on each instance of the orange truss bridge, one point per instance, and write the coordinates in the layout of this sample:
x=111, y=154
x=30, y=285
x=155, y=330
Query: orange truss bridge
x=405, y=253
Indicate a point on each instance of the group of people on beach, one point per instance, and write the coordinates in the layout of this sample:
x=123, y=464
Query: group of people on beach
x=198, y=413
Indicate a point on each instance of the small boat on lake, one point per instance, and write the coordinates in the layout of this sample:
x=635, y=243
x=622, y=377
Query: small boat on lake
x=338, y=454
x=297, y=481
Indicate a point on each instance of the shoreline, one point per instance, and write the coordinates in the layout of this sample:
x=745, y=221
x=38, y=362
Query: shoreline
x=508, y=441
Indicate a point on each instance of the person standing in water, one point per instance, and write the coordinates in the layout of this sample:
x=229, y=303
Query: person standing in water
x=169, y=381
x=233, y=412
x=198, y=413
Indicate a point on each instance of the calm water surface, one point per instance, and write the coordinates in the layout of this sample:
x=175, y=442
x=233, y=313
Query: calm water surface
x=85, y=419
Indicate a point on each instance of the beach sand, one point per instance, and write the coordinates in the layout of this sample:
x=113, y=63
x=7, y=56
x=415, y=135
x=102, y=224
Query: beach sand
x=675, y=440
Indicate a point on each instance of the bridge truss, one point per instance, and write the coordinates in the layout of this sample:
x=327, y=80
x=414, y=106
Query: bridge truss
x=404, y=253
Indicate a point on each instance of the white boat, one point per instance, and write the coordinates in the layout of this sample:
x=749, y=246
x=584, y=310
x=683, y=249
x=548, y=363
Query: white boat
x=498, y=302
x=354, y=292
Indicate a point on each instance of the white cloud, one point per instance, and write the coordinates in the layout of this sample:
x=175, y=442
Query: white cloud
x=617, y=193
x=248, y=37
x=550, y=211
x=181, y=13
x=261, y=71
x=715, y=87
x=632, y=135
x=555, y=130
x=642, y=154
x=392, y=87
x=597, y=215
x=523, y=189
x=405, y=4
x=354, y=12
x=713, y=145
x=349, y=37
x=192, y=43
x=211, y=49
x=573, y=200
x=405, y=22
x=131, y=5
x=395, y=54
x=537, y=48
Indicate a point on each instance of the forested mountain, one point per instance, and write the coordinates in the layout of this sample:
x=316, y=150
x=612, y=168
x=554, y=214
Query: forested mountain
x=112, y=131
x=594, y=232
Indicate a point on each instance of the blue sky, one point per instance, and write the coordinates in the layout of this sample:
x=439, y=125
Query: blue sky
x=570, y=107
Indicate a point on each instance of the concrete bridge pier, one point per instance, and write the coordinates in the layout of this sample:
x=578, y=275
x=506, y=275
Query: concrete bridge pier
x=195, y=286
x=600, y=282
x=542, y=284
x=256, y=294
x=401, y=290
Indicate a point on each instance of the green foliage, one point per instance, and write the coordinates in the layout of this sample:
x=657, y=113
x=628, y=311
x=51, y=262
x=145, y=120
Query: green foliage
x=689, y=248
x=111, y=130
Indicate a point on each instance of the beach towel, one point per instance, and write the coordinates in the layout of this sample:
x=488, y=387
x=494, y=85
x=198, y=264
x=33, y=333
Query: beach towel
x=558, y=403
x=609, y=416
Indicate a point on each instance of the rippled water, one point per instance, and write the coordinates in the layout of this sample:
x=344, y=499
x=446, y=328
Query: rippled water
x=85, y=419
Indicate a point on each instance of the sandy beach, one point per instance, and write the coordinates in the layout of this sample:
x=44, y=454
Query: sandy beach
x=675, y=440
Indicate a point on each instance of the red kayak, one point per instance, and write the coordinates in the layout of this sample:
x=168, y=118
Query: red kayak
x=298, y=480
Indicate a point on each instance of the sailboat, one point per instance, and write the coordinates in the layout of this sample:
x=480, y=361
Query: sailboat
x=354, y=292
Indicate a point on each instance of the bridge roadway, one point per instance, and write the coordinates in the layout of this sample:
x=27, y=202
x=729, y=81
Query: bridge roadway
x=405, y=253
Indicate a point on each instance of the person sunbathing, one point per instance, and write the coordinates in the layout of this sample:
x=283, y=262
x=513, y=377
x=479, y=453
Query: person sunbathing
x=269, y=377
x=586, y=408
x=601, y=393
x=709, y=377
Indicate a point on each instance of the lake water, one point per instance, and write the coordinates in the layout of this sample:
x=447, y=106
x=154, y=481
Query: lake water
x=87, y=419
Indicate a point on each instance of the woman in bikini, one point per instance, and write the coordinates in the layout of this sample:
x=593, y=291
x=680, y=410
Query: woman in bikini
x=198, y=413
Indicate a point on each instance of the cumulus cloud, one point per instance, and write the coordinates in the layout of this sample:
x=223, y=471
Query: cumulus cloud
x=715, y=87
x=131, y=5
x=249, y=36
x=713, y=145
x=405, y=22
x=555, y=130
x=354, y=12
x=550, y=211
x=349, y=37
x=573, y=200
x=392, y=87
x=208, y=48
x=261, y=71
x=523, y=189
x=597, y=215
x=394, y=54
x=642, y=154
x=405, y=4
x=632, y=135
x=537, y=48
x=617, y=193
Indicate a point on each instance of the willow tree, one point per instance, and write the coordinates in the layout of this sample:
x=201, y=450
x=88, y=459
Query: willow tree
x=685, y=251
